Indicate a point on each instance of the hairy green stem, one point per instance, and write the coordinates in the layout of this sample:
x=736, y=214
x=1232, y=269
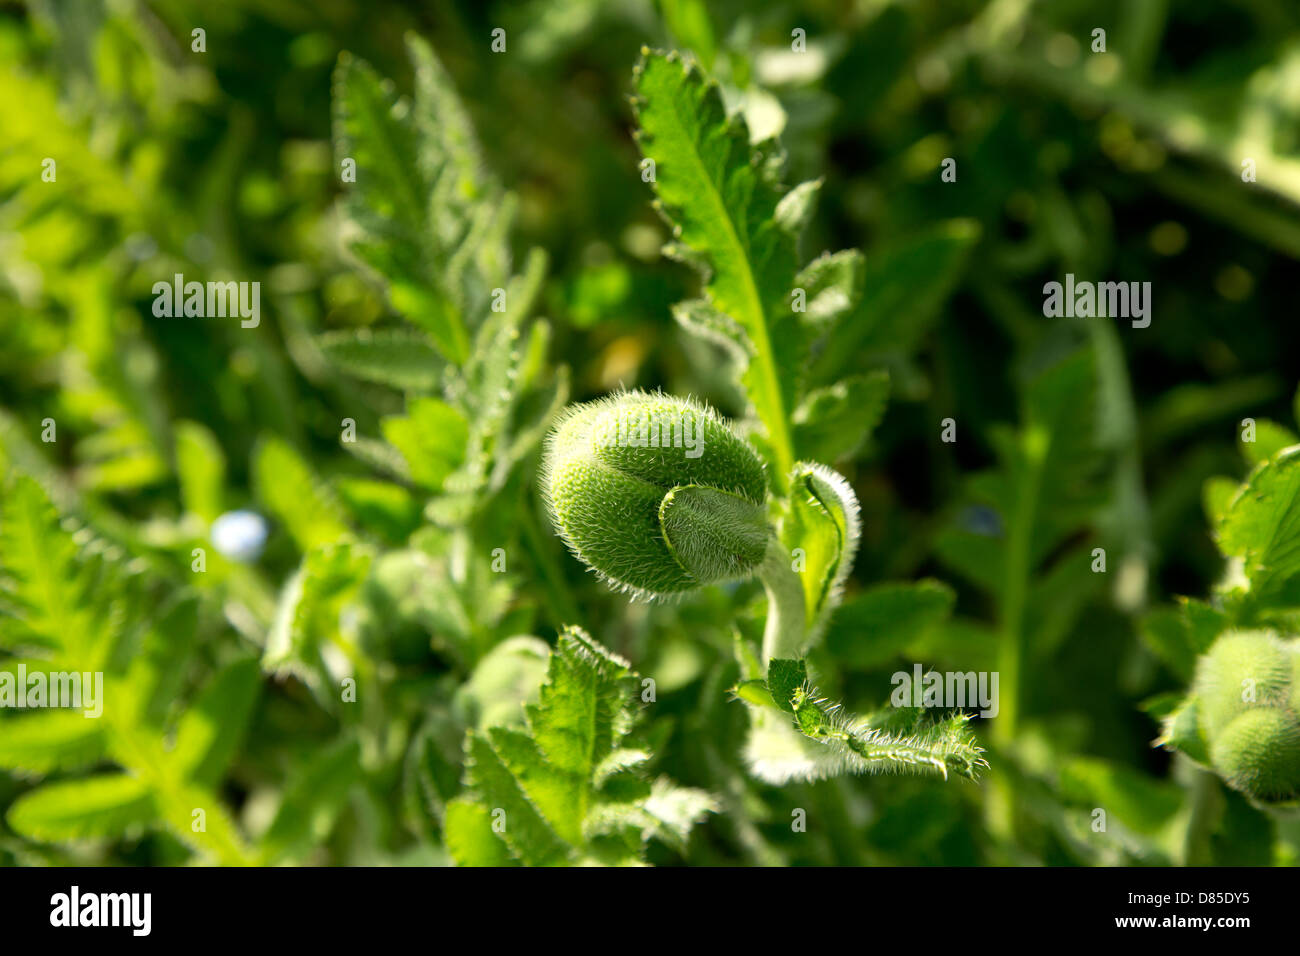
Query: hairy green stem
x=786, y=617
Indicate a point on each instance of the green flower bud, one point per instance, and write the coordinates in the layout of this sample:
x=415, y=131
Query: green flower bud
x=1258, y=752
x=1244, y=699
x=656, y=493
x=1244, y=669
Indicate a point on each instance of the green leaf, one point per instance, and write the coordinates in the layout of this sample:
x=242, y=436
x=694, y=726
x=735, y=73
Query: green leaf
x=1143, y=804
x=470, y=837
x=104, y=807
x=821, y=531
x=45, y=742
x=688, y=20
x=398, y=358
x=1041, y=492
x=312, y=802
x=431, y=436
x=382, y=507
x=1216, y=494
x=876, y=625
x=290, y=491
x=784, y=679
x=421, y=214
x=66, y=595
x=201, y=470
x=1262, y=523
x=833, y=422
x=529, y=835
x=157, y=671
x=40, y=562
x=817, y=738
x=676, y=810
x=833, y=285
x=1270, y=438
x=569, y=781
x=1180, y=635
x=308, y=613
x=723, y=205
x=210, y=731
x=504, y=681
x=388, y=206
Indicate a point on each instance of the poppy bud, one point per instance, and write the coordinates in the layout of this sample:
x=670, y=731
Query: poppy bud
x=657, y=494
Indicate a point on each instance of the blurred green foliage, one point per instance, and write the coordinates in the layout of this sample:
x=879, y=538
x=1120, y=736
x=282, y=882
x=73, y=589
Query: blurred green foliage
x=382, y=564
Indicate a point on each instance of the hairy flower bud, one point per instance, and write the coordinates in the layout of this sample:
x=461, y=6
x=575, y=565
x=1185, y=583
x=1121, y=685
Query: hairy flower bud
x=1244, y=702
x=656, y=493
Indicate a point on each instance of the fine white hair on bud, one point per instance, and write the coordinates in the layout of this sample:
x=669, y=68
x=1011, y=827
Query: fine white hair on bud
x=655, y=493
x=1243, y=715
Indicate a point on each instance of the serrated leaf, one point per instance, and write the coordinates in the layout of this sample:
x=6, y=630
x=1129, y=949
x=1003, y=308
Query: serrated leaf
x=819, y=739
x=422, y=212
x=677, y=810
x=832, y=284
x=700, y=318
x=290, y=491
x=103, y=807
x=45, y=742
x=795, y=210
x=40, y=563
x=526, y=832
x=398, y=358
x=904, y=285
x=432, y=437
x=67, y=596
x=719, y=194
x=388, y=207
x=1262, y=523
x=569, y=782
x=833, y=422
x=470, y=837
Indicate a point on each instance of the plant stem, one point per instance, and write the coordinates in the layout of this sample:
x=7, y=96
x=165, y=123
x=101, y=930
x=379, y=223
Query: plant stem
x=786, y=617
x=1015, y=583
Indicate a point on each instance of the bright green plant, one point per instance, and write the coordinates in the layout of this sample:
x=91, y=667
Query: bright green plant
x=1241, y=716
x=73, y=606
x=404, y=672
x=659, y=497
x=567, y=787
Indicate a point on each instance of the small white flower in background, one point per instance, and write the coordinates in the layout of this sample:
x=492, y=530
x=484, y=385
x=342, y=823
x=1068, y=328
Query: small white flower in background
x=239, y=535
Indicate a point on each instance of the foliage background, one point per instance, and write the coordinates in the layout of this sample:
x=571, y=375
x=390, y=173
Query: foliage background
x=1122, y=166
